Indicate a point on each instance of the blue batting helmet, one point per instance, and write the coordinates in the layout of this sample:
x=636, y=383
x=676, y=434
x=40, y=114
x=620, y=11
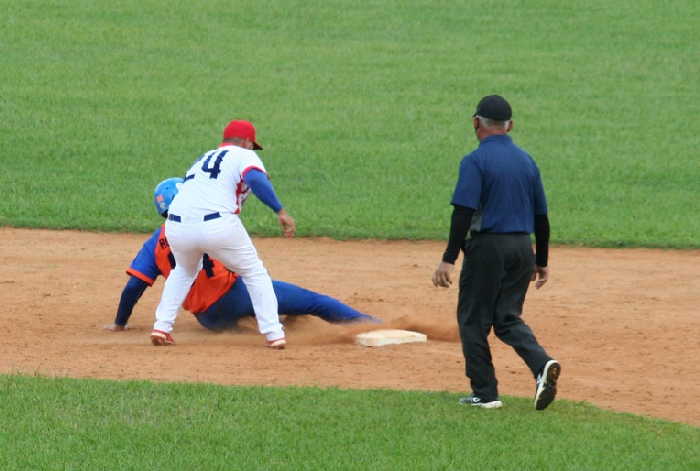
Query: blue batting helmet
x=165, y=192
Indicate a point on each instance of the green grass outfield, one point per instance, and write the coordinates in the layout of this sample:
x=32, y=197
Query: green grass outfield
x=363, y=108
x=56, y=424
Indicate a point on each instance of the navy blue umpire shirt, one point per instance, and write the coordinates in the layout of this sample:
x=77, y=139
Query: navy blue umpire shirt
x=503, y=184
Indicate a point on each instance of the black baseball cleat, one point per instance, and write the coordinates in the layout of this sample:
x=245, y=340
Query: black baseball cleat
x=546, y=389
x=474, y=401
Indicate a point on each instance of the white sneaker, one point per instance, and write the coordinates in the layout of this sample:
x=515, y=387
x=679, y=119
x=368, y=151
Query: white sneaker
x=477, y=402
x=546, y=389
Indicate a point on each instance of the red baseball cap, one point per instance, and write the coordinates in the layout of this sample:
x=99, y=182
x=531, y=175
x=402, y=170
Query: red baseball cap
x=242, y=130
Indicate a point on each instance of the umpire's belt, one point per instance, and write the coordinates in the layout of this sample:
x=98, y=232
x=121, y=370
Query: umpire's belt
x=207, y=217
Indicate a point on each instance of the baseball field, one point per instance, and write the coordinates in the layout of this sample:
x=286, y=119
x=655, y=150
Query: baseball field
x=363, y=109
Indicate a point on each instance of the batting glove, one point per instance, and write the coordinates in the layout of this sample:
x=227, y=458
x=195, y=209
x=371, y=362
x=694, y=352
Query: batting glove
x=160, y=338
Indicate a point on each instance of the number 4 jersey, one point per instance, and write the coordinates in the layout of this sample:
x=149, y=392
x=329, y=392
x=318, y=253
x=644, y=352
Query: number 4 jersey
x=215, y=183
x=155, y=258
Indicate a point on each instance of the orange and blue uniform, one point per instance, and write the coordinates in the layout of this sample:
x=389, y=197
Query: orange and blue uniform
x=212, y=282
x=218, y=297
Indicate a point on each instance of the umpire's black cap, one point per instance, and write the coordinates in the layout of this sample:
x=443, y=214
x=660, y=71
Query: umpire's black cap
x=494, y=107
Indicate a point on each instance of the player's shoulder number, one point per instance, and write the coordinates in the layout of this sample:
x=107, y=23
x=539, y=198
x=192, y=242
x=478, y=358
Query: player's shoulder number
x=206, y=159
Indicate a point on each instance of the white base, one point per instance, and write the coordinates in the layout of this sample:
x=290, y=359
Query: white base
x=380, y=338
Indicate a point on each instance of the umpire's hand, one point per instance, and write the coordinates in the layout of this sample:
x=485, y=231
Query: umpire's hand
x=441, y=277
x=540, y=276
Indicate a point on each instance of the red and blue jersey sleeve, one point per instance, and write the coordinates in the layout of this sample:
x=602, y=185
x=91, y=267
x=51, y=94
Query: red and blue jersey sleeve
x=144, y=266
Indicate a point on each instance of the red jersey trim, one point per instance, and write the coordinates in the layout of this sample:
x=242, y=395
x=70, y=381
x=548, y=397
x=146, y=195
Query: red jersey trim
x=252, y=167
x=140, y=276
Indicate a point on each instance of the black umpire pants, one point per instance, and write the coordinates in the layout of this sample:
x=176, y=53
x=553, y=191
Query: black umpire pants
x=496, y=273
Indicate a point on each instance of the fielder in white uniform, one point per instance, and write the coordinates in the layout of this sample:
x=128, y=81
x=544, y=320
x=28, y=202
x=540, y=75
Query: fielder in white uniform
x=204, y=218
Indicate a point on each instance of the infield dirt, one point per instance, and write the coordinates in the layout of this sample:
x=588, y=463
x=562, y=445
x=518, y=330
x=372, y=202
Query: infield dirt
x=623, y=323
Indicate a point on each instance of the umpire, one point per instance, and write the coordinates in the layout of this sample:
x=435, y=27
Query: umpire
x=500, y=199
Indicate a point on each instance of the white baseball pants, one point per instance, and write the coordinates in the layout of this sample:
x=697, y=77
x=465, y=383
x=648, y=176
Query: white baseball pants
x=226, y=240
